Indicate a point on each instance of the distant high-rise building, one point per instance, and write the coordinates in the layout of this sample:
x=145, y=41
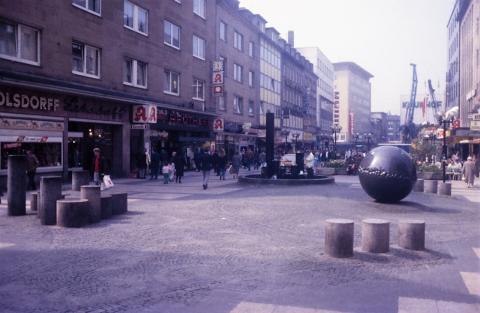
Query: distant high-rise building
x=325, y=91
x=353, y=90
x=379, y=123
x=453, y=54
x=393, y=128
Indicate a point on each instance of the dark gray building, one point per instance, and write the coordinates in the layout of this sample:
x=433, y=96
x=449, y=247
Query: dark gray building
x=393, y=128
x=119, y=75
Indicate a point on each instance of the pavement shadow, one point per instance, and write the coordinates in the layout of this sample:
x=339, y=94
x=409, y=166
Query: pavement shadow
x=412, y=207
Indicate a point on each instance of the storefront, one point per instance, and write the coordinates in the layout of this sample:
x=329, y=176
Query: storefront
x=236, y=137
x=62, y=129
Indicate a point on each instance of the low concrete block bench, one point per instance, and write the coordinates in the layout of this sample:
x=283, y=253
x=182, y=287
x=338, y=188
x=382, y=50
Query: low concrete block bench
x=92, y=194
x=375, y=235
x=80, y=178
x=411, y=234
x=72, y=213
x=444, y=188
x=430, y=186
x=106, y=201
x=119, y=203
x=419, y=185
x=50, y=192
x=34, y=201
x=339, y=238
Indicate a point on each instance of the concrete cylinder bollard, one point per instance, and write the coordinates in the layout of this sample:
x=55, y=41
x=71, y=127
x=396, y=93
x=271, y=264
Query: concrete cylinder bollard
x=34, y=201
x=72, y=213
x=375, y=235
x=430, y=186
x=444, y=188
x=80, y=178
x=50, y=192
x=339, y=238
x=106, y=206
x=119, y=203
x=92, y=194
x=419, y=185
x=17, y=185
x=411, y=234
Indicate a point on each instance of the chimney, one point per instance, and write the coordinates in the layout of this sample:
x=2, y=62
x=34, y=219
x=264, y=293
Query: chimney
x=291, y=38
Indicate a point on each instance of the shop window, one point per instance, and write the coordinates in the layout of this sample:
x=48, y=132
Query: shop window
x=171, y=35
x=199, y=8
x=135, y=73
x=135, y=18
x=92, y=6
x=49, y=154
x=172, y=83
x=237, y=105
x=198, y=89
x=19, y=43
x=85, y=60
x=198, y=47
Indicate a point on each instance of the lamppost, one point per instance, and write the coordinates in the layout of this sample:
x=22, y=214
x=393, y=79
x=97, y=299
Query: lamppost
x=285, y=133
x=445, y=123
x=296, y=141
x=369, y=140
x=335, y=129
x=356, y=137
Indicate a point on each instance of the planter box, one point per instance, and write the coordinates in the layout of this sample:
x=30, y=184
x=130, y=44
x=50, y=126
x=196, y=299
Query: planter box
x=340, y=171
x=326, y=171
x=430, y=175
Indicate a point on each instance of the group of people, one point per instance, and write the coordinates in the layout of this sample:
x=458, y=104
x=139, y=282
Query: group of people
x=172, y=167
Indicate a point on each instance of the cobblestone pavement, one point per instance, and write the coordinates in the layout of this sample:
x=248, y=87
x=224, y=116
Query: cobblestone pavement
x=238, y=249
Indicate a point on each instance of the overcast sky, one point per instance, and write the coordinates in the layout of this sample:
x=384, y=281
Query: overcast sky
x=382, y=36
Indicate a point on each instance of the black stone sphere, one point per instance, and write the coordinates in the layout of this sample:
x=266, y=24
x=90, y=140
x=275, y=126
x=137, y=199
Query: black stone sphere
x=387, y=174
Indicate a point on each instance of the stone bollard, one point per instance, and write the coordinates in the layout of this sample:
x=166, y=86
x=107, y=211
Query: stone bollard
x=106, y=206
x=375, y=235
x=80, y=178
x=444, y=188
x=339, y=238
x=34, y=201
x=92, y=194
x=119, y=203
x=72, y=213
x=418, y=185
x=50, y=192
x=430, y=186
x=16, y=185
x=411, y=234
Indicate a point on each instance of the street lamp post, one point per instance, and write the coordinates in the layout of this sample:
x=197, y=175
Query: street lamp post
x=369, y=140
x=356, y=137
x=335, y=129
x=445, y=123
x=285, y=133
x=296, y=141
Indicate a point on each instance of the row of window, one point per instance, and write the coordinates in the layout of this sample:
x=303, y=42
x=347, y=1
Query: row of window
x=237, y=39
x=237, y=105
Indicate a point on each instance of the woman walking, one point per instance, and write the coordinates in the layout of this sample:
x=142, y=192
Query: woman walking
x=469, y=172
x=179, y=162
x=222, y=164
x=236, y=164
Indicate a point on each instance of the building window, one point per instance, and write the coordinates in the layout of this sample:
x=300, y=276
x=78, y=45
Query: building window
x=171, y=35
x=237, y=105
x=198, y=47
x=85, y=60
x=251, y=49
x=19, y=43
x=251, y=108
x=221, y=103
x=135, y=18
x=223, y=31
x=92, y=6
x=198, y=89
x=172, y=83
x=238, y=41
x=238, y=73
x=251, y=77
x=134, y=73
x=199, y=8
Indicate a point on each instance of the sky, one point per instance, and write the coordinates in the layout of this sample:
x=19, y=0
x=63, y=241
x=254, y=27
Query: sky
x=382, y=36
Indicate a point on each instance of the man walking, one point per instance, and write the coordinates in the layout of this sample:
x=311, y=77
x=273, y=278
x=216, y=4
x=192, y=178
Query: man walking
x=32, y=164
x=206, y=165
x=154, y=165
x=97, y=166
x=469, y=171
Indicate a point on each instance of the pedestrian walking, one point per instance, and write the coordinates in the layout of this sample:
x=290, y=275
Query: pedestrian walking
x=309, y=161
x=215, y=163
x=98, y=166
x=179, y=162
x=236, y=164
x=154, y=165
x=469, y=171
x=166, y=173
x=206, y=165
x=222, y=164
x=32, y=164
x=142, y=164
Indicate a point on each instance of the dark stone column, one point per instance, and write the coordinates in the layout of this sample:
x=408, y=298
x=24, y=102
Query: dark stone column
x=50, y=192
x=17, y=185
x=80, y=178
x=106, y=206
x=375, y=235
x=34, y=201
x=72, y=213
x=339, y=238
x=411, y=234
x=119, y=203
x=270, y=140
x=92, y=194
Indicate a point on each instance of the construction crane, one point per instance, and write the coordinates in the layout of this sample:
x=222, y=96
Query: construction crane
x=408, y=128
x=432, y=95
